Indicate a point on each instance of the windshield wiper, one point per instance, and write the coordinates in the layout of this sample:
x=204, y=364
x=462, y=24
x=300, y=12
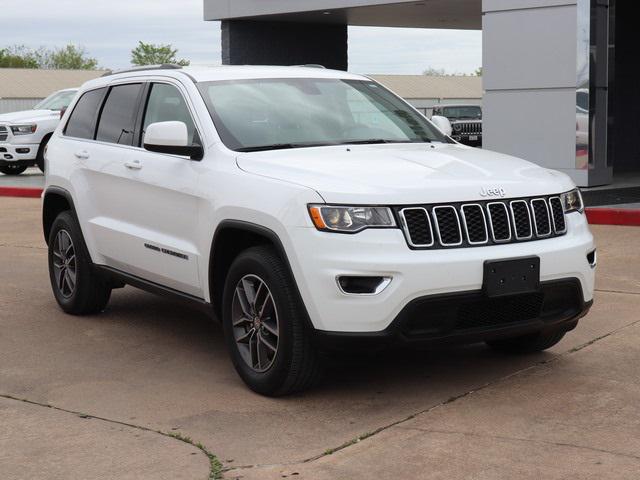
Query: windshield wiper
x=279, y=146
x=375, y=141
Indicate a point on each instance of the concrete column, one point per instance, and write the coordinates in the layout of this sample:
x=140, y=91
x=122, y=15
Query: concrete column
x=247, y=42
x=530, y=51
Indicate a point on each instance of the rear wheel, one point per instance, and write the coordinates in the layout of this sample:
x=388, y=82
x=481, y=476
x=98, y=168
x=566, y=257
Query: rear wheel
x=13, y=169
x=532, y=343
x=264, y=325
x=78, y=289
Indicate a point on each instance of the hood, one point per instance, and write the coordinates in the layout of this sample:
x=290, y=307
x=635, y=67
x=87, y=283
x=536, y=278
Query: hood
x=28, y=116
x=400, y=174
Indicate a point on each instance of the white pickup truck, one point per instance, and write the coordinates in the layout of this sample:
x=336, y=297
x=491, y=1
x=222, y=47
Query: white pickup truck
x=24, y=135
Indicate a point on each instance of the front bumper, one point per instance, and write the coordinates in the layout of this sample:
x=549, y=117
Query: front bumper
x=11, y=153
x=319, y=258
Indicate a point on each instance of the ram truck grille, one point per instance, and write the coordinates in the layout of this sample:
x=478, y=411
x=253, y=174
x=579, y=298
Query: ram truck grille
x=482, y=223
x=471, y=128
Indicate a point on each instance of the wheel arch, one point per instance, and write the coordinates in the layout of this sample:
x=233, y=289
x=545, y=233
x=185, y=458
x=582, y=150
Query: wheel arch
x=55, y=201
x=229, y=240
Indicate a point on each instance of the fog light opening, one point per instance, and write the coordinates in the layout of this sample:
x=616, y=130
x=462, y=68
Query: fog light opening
x=361, y=285
x=23, y=150
x=592, y=258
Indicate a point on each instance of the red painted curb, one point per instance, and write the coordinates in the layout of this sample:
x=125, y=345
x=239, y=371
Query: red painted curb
x=20, y=192
x=614, y=216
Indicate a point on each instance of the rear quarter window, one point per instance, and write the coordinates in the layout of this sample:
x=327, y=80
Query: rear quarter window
x=82, y=121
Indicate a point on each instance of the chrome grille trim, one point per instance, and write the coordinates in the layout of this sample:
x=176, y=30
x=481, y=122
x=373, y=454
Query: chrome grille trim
x=515, y=224
x=506, y=211
x=553, y=217
x=466, y=228
x=535, y=220
x=405, y=227
x=455, y=214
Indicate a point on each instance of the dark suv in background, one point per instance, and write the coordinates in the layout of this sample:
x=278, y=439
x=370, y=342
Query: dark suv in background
x=466, y=122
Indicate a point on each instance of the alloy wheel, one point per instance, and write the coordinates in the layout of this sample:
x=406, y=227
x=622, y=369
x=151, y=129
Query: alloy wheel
x=64, y=264
x=255, y=323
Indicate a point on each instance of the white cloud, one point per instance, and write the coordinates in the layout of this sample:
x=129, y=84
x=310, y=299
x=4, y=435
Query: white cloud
x=110, y=29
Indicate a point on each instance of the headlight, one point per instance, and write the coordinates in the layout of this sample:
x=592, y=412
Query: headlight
x=23, y=129
x=350, y=219
x=572, y=201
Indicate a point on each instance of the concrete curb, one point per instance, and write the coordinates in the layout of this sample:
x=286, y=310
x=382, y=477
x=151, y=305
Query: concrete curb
x=613, y=216
x=20, y=192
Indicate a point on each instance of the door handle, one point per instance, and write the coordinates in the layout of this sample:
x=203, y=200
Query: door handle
x=133, y=165
x=82, y=154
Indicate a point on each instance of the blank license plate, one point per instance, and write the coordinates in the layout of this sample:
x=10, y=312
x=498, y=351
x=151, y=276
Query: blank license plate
x=510, y=277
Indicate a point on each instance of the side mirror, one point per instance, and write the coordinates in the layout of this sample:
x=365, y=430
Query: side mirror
x=171, y=138
x=443, y=124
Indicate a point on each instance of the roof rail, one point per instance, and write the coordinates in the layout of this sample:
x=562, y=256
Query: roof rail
x=164, y=66
x=311, y=65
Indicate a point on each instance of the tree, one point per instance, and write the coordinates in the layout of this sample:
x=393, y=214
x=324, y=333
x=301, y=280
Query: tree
x=69, y=57
x=478, y=72
x=435, y=72
x=17, y=56
x=152, y=54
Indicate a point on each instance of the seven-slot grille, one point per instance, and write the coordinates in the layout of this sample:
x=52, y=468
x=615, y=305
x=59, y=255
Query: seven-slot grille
x=4, y=133
x=482, y=223
x=473, y=128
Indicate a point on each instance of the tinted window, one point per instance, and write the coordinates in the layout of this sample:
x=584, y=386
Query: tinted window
x=82, y=121
x=117, y=121
x=166, y=104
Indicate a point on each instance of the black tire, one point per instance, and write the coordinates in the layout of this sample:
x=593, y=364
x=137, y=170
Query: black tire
x=40, y=155
x=90, y=293
x=532, y=343
x=13, y=169
x=295, y=365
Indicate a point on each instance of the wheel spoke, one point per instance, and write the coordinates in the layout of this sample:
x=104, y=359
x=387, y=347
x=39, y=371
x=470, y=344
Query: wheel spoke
x=249, y=292
x=60, y=278
x=241, y=320
x=273, y=331
x=246, y=338
x=268, y=301
x=267, y=343
x=71, y=279
x=244, y=304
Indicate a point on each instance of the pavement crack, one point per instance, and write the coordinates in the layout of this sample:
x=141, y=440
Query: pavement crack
x=455, y=398
x=521, y=439
x=623, y=292
x=215, y=467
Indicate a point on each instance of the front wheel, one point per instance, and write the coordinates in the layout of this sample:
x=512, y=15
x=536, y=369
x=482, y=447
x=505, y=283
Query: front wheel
x=78, y=289
x=532, y=343
x=264, y=325
x=13, y=169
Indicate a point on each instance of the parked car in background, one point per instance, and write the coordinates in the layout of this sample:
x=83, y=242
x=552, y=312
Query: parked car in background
x=310, y=210
x=24, y=135
x=466, y=122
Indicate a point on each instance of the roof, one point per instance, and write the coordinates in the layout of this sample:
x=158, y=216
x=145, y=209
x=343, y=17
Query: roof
x=424, y=86
x=36, y=83
x=227, y=72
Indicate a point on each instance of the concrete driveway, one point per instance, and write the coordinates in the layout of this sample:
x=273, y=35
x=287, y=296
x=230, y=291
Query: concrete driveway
x=104, y=396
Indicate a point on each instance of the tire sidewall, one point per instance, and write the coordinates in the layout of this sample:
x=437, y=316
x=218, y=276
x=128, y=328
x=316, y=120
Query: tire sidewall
x=274, y=377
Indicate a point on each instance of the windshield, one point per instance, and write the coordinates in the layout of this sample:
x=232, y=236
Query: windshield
x=463, y=112
x=265, y=114
x=56, y=101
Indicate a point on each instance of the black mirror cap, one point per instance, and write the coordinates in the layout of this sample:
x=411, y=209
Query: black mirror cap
x=194, y=152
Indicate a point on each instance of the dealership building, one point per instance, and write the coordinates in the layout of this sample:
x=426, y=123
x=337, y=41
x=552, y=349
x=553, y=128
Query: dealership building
x=558, y=74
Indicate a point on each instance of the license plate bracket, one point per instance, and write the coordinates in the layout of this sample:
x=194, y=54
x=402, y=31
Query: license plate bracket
x=511, y=277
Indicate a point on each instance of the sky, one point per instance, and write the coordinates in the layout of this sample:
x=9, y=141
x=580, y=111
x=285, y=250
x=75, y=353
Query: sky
x=110, y=29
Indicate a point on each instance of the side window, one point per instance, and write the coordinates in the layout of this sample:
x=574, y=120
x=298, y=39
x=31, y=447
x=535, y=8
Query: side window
x=166, y=104
x=118, y=118
x=81, y=123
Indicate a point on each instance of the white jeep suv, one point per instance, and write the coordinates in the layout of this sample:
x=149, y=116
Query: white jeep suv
x=24, y=135
x=308, y=210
